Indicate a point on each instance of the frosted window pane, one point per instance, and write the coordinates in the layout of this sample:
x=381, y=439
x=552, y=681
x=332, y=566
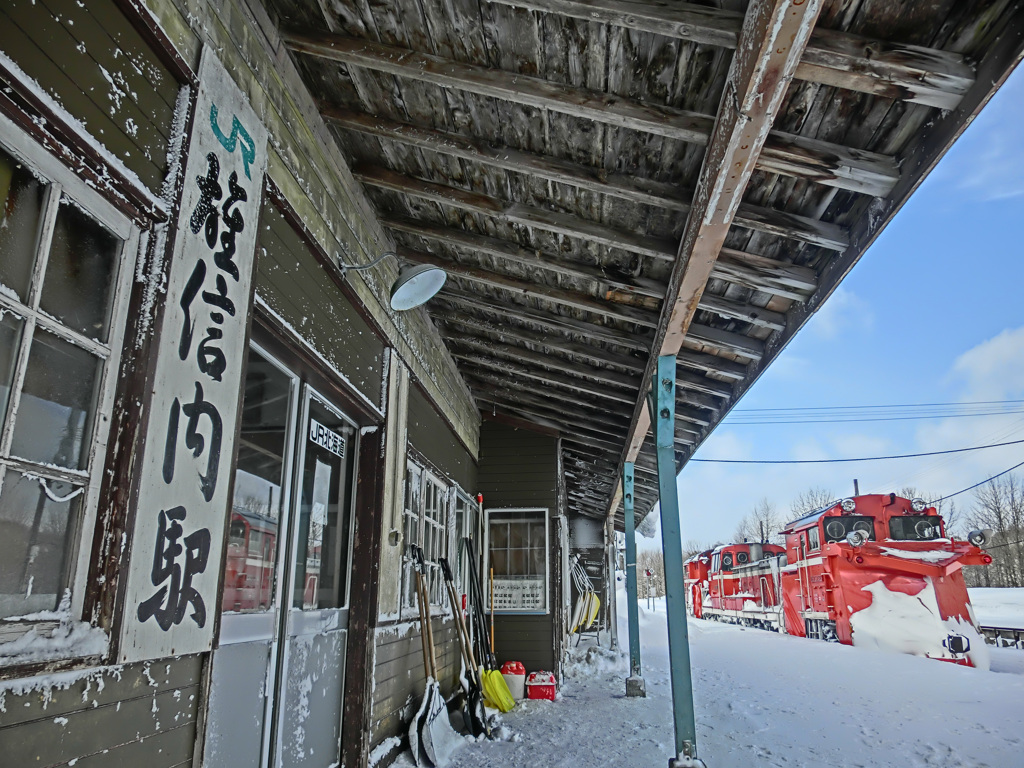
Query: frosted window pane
x=10, y=334
x=55, y=414
x=80, y=273
x=21, y=201
x=35, y=540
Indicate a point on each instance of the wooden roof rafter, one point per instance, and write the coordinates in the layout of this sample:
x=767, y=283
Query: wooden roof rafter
x=552, y=155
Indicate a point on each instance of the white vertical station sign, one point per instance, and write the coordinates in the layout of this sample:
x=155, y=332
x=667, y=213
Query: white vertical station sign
x=171, y=597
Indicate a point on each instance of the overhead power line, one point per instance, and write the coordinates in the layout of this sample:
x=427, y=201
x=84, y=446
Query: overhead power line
x=872, y=407
x=972, y=487
x=838, y=414
x=862, y=458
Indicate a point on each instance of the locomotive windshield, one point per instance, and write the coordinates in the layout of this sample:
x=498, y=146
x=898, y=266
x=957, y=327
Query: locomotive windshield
x=915, y=527
x=838, y=528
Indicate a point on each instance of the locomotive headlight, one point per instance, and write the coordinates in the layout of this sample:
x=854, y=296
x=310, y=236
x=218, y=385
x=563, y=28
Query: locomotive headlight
x=848, y=505
x=980, y=538
x=856, y=538
x=918, y=505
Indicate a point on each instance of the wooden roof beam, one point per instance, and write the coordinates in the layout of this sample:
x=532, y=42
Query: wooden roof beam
x=721, y=306
x=588, y=373
x=594, y=355
x=552, y=321
x=527, y=215
x=819, y=161
x=574, y=299
x=747, y=269
x=622, y=186
x=773, y=37
x=496, y=386
x=727, y=341
x=497, y=248
x=573, y=384
x=689, y=382
x=913, y=73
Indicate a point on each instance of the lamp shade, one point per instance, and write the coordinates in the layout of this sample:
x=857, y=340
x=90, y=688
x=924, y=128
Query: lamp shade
x=416, y=285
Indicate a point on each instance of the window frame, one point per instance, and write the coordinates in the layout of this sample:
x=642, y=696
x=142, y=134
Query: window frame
x=415, y=494
x=544, y=515
x=63, y=184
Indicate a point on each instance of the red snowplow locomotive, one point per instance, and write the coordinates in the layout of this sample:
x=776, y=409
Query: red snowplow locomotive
x=871, y=571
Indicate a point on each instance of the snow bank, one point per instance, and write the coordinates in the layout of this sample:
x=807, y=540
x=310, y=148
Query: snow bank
x=998, y=607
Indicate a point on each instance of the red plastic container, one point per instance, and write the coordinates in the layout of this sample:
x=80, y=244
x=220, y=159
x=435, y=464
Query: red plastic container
x=515, y=676
x=540, y=685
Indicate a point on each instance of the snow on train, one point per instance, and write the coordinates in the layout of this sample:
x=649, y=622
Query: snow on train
x=873, y=571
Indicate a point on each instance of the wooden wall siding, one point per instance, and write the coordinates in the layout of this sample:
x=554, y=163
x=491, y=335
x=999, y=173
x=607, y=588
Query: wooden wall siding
x=518, y=467
x=115, y=717
x=430, y=435
x=90, y=59
x=399, y=680
x=314, y=178
x=290, y=280
x=527, y=639
x=477, y=128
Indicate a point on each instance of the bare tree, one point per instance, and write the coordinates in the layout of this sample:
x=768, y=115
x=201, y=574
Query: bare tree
x=813, y=498
x=650, y=560
x=999, y=505
x=762, y=524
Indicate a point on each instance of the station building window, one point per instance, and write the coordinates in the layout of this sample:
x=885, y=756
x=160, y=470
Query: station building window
x=428, y=524
x=517, y=546
x=66, y=259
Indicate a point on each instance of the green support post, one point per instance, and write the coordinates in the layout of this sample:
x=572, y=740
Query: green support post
x=635, y=686
x=663, y=401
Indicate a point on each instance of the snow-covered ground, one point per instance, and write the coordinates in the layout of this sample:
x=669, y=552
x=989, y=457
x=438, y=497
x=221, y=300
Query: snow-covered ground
x=998, y=607
x=765, y=699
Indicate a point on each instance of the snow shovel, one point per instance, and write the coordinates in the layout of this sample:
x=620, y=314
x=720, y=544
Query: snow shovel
x=496, y=692
x=474, y=714
x=435, y=739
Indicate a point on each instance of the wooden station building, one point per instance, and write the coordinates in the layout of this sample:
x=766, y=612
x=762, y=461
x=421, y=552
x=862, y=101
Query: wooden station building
x=218, y=442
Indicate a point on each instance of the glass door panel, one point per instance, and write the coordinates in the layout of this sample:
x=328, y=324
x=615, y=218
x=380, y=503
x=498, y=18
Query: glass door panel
x=313, y=657
x=245, y=661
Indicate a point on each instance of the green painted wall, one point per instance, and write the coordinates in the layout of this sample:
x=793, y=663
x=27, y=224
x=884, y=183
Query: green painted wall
x=430, y=435
x=293, y=284
x=519, y=468
x=140, y=714
x=90, y=59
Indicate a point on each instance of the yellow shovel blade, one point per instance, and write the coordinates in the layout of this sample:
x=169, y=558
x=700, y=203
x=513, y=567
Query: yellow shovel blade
x=496, y=692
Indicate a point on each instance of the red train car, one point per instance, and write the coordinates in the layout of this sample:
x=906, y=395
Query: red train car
x=249, y=566
x=872, y=571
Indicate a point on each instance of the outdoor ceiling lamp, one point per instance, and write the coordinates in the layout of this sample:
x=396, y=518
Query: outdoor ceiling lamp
x=416, y=283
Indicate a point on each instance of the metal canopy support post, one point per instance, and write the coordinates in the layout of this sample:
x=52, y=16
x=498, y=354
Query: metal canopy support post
x=635, y=685
x=663, y=401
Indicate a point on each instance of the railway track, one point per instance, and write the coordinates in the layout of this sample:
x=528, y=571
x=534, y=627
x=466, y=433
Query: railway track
x=1004, y=637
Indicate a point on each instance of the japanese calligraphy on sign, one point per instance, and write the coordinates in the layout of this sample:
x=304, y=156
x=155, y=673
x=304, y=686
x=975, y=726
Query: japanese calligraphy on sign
x=522, y=593
x=181, y=510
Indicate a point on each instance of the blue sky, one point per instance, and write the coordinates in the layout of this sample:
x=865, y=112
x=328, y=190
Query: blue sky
x=932, y=313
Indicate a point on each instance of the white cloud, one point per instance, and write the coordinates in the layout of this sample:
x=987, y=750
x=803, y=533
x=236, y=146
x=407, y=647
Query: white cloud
x=844, y=312
x=988, y=160
x=993, y=370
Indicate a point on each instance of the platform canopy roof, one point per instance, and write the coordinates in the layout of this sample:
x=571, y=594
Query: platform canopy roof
x=607, y=181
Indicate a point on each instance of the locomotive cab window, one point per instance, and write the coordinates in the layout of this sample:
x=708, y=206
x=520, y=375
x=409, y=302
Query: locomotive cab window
x=742, y=558
x=915, y=527
x=727, y=561
x=838, y=528
x=814, y=539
